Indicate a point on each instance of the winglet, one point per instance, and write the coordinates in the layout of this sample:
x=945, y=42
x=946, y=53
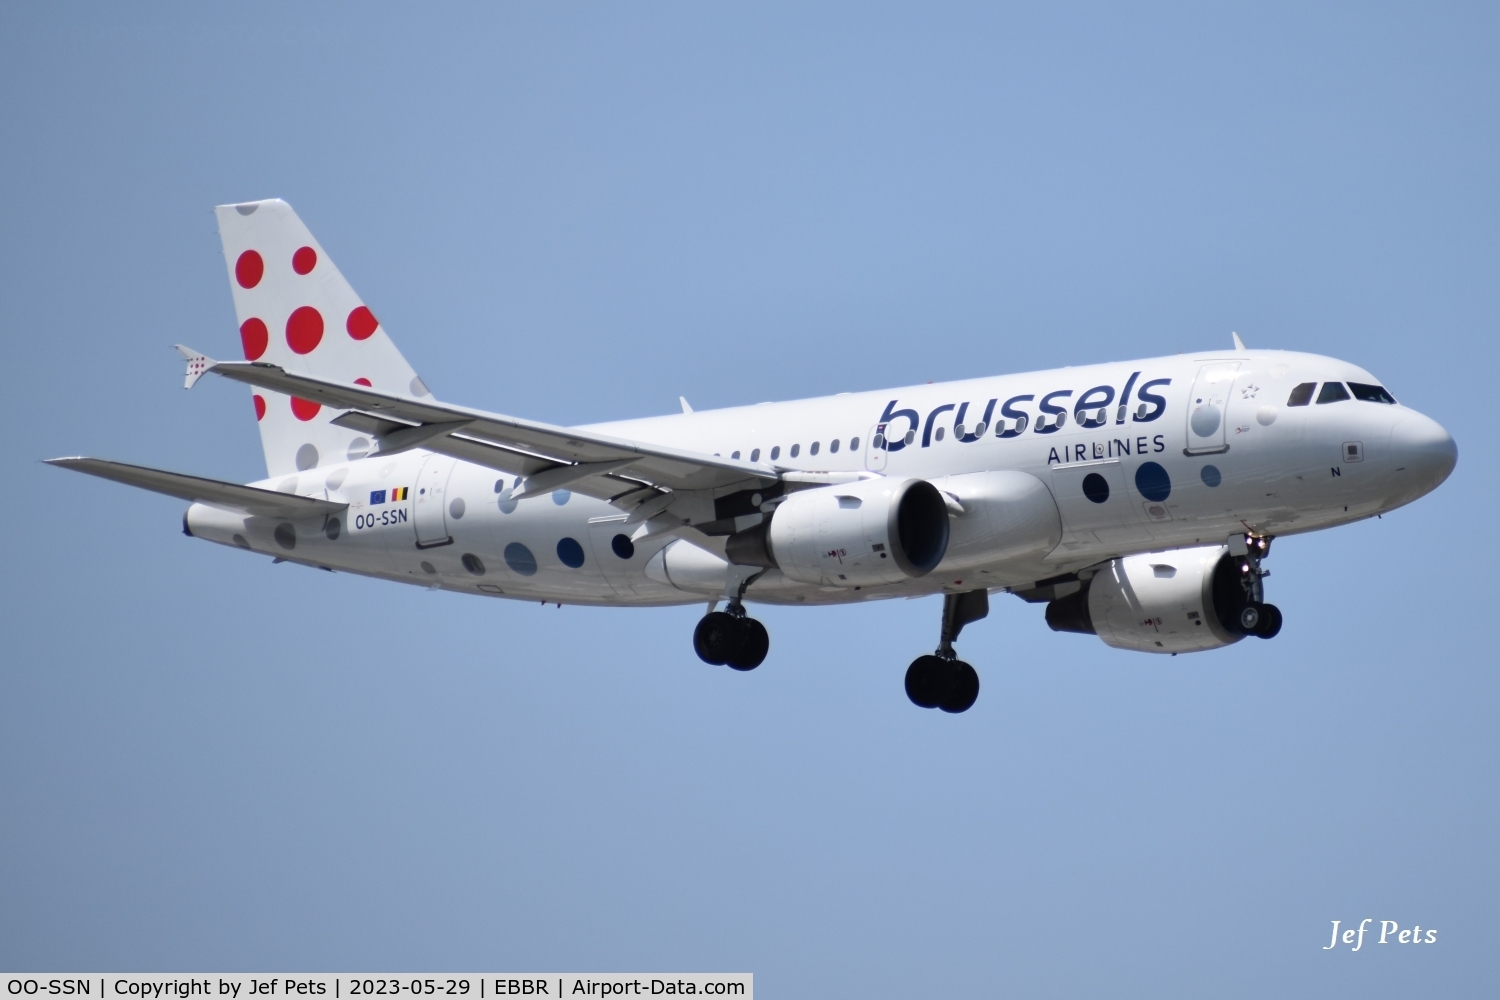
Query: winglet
x=686, y=408
x=1239, y=345
x=197, y=364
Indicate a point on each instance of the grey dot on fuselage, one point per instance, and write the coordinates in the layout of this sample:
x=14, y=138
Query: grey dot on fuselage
x=287, y=485
x=307, y=458
x=358, y=448
x=240, y=541
x=429, y=568
x=336, y=478
x=418, y=387
x=286, y=535
x=1205, y=420
x=456, y=508
x=247, y=209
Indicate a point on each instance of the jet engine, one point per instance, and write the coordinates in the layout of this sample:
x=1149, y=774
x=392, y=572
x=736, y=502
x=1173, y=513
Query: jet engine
x=1179, y=601
x=855, y=535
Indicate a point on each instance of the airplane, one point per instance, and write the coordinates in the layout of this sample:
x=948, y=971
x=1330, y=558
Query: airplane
x=1136, y=500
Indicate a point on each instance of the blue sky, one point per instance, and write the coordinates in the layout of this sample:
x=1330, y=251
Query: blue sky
x=577, y=213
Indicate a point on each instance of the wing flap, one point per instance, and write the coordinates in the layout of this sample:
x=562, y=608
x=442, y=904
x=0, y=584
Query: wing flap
x=214, y=492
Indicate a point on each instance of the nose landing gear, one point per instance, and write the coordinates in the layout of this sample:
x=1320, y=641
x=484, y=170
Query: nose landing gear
x=941, y=679
x=1254, y=616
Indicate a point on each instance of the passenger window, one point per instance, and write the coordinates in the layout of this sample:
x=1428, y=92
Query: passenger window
x=755, y=455
x=734, y=454
x=1333, y=392
x=775, y=453
x=796, y=450
x=812, y=449
x=854, y=444
x=833, y=446
x=1371, y=393
x=1302, y=395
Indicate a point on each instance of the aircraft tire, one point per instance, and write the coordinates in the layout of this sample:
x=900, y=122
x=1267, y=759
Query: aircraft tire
x=754, y=644
x=1270, y=622
x=929, y=680
x=717, y=638
x=965, y=690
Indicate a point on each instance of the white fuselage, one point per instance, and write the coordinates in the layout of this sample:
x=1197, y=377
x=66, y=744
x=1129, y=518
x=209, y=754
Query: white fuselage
x=1253, y=464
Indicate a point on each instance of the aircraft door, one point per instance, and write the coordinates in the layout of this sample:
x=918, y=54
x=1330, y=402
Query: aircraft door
x=875, y=449
x=1207, y=410
x=429, y=502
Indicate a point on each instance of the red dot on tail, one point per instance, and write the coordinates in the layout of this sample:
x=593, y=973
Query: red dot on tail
x=304, y=329
x=260, y=407
x=361, y=324
x=304, y=260
x=305, y=409
x=248, y=269
x=255, y=338
x=364, y=382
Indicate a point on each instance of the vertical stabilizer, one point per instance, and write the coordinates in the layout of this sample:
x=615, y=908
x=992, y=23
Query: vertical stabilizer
x=296, y=310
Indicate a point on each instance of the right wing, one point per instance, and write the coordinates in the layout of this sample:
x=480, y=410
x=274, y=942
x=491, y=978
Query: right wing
x=229, y=496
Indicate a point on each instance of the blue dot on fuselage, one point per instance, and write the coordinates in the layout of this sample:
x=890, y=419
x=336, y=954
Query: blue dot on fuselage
x=1211, y=476
x=1153, y=482
x=519, y=558
x=570, y=552
x=561, y=497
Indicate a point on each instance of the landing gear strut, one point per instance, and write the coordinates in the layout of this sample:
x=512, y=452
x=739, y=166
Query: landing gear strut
x=731, y=637
x=1254, y=617
x=941, y=679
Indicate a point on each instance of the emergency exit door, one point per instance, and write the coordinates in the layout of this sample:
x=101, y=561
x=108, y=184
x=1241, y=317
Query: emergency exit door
x=430, y=502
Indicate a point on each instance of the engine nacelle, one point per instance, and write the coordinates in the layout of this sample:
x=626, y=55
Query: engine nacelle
x=1006, y=517
x=854, y=535
x=1157, y=602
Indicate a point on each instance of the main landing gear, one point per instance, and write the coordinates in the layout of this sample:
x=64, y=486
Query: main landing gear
x=731, y=637
x=941, y=679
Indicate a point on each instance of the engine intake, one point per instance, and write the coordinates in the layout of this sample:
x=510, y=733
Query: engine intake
x=859, y=534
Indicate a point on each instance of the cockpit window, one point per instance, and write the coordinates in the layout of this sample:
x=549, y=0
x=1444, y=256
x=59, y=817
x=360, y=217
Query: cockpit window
x=1302, y=395
x=1371, y=393
x=1333, y=392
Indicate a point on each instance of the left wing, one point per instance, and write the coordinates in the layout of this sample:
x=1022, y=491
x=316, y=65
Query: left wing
x=546, y=457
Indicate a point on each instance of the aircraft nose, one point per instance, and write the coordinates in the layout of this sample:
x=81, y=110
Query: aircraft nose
x=1424, y=450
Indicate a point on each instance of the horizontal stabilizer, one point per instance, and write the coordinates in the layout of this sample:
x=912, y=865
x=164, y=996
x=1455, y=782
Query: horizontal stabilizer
x=197, y=364
x=229, y=496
